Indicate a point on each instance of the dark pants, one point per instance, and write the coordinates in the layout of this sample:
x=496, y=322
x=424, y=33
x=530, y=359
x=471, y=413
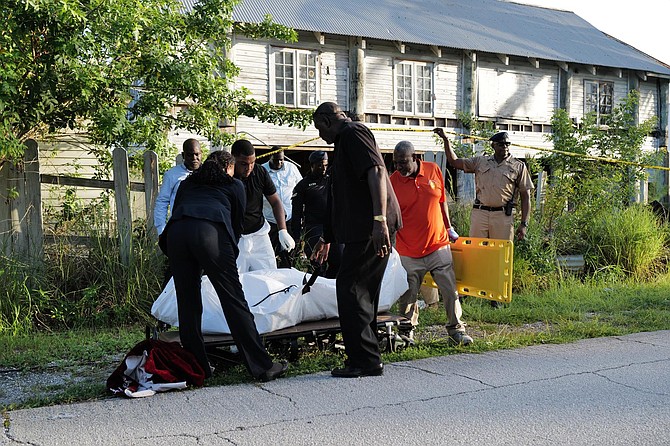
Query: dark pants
x=195, y=246
x=332, y=266
x=284, y=258
x=358, y=285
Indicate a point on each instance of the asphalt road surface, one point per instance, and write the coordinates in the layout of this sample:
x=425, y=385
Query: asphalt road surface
x=606, y=391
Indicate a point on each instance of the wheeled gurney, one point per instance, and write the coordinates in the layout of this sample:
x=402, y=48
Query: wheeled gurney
x=393, y=332
x=284, y=314
x=287, y=310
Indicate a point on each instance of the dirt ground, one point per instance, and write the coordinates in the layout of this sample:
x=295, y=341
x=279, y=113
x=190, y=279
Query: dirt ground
x=20, y=385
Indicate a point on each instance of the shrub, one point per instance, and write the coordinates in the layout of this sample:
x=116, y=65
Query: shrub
x=535, y=266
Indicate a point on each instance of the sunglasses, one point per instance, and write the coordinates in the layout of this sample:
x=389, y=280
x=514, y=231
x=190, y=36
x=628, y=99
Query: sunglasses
x=506, y=144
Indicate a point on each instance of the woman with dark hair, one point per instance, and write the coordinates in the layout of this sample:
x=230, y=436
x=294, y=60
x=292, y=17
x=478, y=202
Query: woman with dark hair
x=201, y=236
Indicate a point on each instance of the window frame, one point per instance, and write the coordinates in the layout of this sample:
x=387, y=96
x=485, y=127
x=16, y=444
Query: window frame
x=596, y=106
x=296, y=80
x=414, y=81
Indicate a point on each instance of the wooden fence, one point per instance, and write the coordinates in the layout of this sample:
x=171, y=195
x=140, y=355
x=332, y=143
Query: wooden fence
x=21, y=229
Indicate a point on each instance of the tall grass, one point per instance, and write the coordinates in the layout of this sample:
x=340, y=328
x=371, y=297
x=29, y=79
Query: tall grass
x=81, y=281
x=459, y=215
x=631, y=240
x=16, y=303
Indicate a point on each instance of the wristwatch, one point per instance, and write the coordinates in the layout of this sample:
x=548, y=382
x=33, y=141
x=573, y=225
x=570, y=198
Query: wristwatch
x=379, y=217
x=524, y=224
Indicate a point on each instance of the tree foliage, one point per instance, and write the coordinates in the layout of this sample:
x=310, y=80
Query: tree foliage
x=117, y=69
x=583, y=185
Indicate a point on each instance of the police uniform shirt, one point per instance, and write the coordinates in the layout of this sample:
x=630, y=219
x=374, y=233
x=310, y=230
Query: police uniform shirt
x=495, y=182
x=309, y=202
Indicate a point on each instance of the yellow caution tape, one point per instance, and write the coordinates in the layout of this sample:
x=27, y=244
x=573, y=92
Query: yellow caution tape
x=542, y=149
x=292, y=146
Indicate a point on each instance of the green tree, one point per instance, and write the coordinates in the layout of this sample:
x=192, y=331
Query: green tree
x=581, y=184
x=116, y=69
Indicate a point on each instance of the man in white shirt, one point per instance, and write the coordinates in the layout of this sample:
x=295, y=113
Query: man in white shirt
x=284, y=175
x=192, y=156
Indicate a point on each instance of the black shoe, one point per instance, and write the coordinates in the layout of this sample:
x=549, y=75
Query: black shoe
x=277, y=370
x=357, y=372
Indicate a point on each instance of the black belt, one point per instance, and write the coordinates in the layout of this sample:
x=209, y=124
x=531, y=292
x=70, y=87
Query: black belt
x=488, y=208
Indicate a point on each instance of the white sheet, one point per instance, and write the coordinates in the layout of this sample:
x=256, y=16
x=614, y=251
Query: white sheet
x=283, y=309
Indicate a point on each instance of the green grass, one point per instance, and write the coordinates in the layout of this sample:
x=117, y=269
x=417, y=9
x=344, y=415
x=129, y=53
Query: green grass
x=562, y=314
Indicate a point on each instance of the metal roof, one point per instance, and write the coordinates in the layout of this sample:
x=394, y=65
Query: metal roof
x=491, y=26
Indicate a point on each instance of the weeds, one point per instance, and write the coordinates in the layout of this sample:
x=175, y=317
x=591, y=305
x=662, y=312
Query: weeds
x=562, y=313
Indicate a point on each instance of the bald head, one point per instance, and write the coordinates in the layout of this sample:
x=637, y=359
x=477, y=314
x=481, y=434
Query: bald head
x=192, y=154
x=328, y=119
x=404, y=148
x=404, y=159
x=328, y=108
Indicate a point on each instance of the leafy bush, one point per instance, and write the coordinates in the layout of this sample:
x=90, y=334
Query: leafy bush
x=535, y=266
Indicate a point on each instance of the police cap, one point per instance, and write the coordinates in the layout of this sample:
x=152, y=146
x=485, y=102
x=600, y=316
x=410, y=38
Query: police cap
x=500, y=137
x=317, y=156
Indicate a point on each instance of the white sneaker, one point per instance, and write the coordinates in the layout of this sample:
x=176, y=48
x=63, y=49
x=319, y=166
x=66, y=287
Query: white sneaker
x=460, y=338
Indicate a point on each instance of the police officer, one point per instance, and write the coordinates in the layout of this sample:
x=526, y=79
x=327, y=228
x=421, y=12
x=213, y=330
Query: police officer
x=498, y=179
x=309, y=200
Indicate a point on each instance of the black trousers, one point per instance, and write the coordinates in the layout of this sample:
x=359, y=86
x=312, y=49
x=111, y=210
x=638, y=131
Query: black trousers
x=358, y=285
x=285, y=259
x=332, y=265
x=196, y=246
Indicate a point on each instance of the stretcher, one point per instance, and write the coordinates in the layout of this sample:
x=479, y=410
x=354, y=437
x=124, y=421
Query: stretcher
x=393, y=333
x=292, y=310
x=483, y=268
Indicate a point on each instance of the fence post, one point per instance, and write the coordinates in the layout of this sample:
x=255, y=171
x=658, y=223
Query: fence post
x=21, y=208
x=122, y=197
x=5, y=209
x=32, y=224
x=539, y=192
x=150, y=188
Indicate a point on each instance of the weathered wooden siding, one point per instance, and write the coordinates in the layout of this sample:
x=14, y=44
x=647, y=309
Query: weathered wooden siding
x=334, y=82
x=379, y=82
x=648, y=100
x=448, y=89
x=577, y=89
x=252, y=58
x=380, y=58
x=68, y=155
x=516, y=91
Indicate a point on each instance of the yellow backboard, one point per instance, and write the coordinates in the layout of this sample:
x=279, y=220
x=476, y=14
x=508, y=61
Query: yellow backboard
x=483, y=268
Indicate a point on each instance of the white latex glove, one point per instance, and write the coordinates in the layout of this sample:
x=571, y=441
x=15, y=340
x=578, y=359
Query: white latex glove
x=285, y=240
x=453, y=235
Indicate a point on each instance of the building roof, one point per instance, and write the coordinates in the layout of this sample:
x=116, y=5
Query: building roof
x=491, y=26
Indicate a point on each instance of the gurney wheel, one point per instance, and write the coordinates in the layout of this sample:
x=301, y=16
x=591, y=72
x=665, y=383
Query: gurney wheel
x=285, y=348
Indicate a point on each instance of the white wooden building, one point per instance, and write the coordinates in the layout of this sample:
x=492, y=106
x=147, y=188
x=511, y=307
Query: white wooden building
x=407, y=67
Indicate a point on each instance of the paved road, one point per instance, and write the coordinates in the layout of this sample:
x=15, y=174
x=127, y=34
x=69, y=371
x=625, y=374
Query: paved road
x=607, y=391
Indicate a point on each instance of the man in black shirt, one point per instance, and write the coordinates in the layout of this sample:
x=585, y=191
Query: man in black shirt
x=309, y=201
x=255, y=233
x=363, y=214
